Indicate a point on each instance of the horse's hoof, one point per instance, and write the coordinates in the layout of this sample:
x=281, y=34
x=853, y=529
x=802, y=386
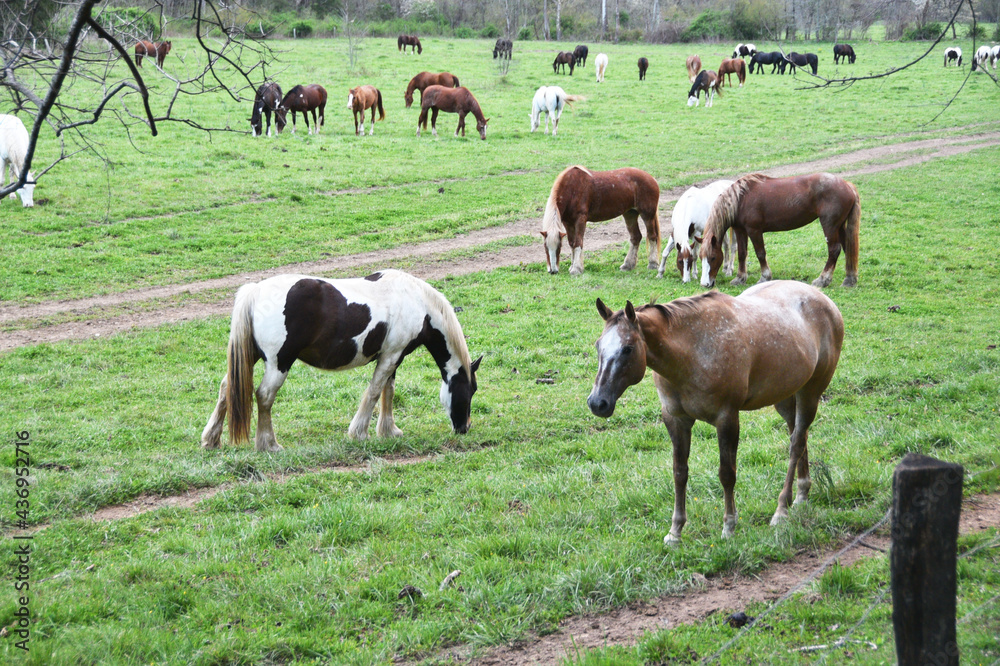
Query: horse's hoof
x=653, y=265
x=778, y=518
x=739, y=281
x=576, y=271
x=850, y=281
x=670, y=541
x=821, y=283
x=209, y=445
x=764, y=278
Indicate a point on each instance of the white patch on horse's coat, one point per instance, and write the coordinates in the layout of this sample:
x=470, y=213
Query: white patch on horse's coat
x=692, y=101
x=350, y=100
x=609, y=346
x=706, y=280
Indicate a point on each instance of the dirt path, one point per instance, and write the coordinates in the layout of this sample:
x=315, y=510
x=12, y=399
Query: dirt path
x=102, y=316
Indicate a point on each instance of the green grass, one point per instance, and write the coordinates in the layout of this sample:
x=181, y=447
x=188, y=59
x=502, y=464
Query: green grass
x=547, y=510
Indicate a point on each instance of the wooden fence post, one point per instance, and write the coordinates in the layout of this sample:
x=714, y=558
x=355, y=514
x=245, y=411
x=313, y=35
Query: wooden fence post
x=926, y=504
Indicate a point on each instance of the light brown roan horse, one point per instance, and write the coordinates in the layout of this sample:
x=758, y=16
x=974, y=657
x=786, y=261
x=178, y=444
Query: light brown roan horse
x=451, y=100
x=732, y=66
x=424, y=79
x=756, y=203
x=580, y=195
x=714, y=356
x=304, y=99
x=159, y=50
x=693, y=67
x=361, y=99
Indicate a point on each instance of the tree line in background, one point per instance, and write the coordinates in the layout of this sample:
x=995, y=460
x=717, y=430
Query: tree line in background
x=606, y=20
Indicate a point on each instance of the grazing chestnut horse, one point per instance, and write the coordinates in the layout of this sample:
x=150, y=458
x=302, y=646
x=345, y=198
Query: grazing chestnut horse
x=643, y=66
x=303, y=99
x=733, y=66
x=267, y=100
x=756, y=204
x=845, y=51
x=409, y=40
x=708, y=82
x=338, y=325
x=361, y=99
x=580, y=195
x=693, y=67
x=151, y=49
x=714, y=356
x=564, y=58
x=424, y=79
x=451, y=100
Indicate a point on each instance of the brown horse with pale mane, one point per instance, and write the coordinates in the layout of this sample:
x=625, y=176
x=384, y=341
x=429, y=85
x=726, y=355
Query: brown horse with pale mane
x=424, y=79
x=756, y=204
x=580, y=195
x=693, y=66
x=159, y=50
x=732, y=66
x=452, y=100
x=361, y=99
x=714, y=356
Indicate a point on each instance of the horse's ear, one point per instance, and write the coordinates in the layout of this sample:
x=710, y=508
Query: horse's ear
x=544, y=234
x=715, y=241
x=630, y=311
x=562, y=234
x=699, y=239
x=475, y=364
x=604, y=310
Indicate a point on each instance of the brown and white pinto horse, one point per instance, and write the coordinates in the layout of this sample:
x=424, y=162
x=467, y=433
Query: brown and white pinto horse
x=451, y=100
x=159, y=50
x=303, y=99
x=714, y=356
x=579, y=196
x=708, y=82
x=424, y=79
x=756, y=204
x=361, y=99
x=409, y=40
x=266, y=102
x=693, y=67
x=732, y=66
x=338, y=325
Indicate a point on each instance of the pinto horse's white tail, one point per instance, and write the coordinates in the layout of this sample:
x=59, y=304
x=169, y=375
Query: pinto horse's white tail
x=242, y=356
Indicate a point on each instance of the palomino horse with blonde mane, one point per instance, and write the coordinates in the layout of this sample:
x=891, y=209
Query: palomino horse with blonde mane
x=693, y=67
x=338, y=325
x=688, y=223
x=714, y=356
x=158, y=50
x=361, y=99
x=302, y=99
x=452, y=100
x=708, y=82
x=756, y=204
x=580, y=195
x=424, y=79
x=732, y=66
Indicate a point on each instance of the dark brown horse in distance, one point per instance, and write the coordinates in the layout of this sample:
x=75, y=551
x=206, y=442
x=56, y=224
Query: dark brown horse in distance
x=361, y=99
x=504, y=48
x=264, y=104
x=564, y=58
x=159, y=50
x=756, y=204
x=579, y=195
x=451, y=100
x=303, y=99
x=643, y=66
x=424, y=79
x=409, y=40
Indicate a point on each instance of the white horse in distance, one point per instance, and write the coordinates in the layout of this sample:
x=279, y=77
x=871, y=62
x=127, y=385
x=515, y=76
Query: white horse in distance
x=601, y=62
x=688, y=220
x=550, y=100
x=13, y=150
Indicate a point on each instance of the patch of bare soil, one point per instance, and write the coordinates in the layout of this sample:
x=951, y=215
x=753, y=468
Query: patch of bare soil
x=428, y=260
x=725, y=595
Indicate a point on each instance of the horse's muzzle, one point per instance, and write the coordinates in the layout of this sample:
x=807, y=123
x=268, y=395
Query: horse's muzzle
x=601, y=406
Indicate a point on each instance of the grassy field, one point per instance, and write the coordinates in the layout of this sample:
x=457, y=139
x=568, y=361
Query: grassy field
x=547, y=510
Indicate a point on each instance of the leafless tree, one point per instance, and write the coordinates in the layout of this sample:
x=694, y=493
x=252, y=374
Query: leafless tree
x=67, y=67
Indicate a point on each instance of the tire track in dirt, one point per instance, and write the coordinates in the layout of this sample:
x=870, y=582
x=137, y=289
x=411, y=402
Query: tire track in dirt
x=101, y=316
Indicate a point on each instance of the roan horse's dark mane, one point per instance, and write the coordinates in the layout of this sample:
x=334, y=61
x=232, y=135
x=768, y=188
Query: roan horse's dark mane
x=675, y=308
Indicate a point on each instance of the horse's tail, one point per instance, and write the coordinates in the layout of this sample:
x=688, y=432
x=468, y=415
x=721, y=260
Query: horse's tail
x=457, y=84
x=242, y=356
x=381, y=111
x=852, y=237
x=552, y=219
x=569, y=99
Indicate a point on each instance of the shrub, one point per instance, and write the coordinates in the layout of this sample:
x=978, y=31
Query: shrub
x=633, y=35
x=524, y=34
x=928, y=31
x=489, y=31
x=710, y=24
x=464, y=32
x=300, y=29
x=996, y=33
x=977, y=31
x=129, y=20
x=568, y=24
